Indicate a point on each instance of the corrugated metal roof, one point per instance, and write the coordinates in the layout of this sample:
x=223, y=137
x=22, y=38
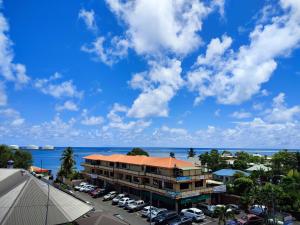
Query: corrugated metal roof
x=27, y=202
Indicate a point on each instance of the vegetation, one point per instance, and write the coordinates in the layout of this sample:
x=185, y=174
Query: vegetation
x=224, y=214
x=138, y=151
x=67, y=163
x=172, y=154
x=213, y=160
x=191, y=153
x=22, y=159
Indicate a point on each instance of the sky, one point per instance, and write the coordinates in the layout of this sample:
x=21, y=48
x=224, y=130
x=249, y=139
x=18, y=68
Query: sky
x=181, y=73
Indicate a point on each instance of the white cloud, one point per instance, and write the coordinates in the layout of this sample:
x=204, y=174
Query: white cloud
x=90, y=120
x=9, y=70
x=159, y=86
x=89, y=19
x=217, y=112
x=3, y=97
x=58, y=90
x=241, y=115
x=107, y=55
x=68, y=105
x=154, y=27
x=237, y=76
x=280, y=112
x=116, y=121
x=11, y=117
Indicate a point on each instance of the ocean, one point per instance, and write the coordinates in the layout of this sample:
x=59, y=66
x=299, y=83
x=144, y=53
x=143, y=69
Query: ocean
x=50, y=159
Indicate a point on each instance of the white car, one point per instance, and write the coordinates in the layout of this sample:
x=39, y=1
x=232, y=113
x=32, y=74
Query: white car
x=109, y=196
x=80, y=185
x=123, y=201
x=117, y=199
x=196, y=214
x=146, y=210
x=86, y=188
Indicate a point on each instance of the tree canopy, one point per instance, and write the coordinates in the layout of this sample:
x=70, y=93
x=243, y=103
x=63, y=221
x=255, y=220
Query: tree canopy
x=191, y=153
x=138, y=151
x=213, y=160
x=67, y=163
x=22, y=159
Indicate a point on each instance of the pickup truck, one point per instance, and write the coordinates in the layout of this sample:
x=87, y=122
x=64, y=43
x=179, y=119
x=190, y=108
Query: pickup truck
x=136, y=206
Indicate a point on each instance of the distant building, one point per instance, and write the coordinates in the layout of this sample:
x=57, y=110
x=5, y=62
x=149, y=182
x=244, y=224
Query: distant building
x=226, y=175
x=258, y=167
x=172, y=183
x=27, y=200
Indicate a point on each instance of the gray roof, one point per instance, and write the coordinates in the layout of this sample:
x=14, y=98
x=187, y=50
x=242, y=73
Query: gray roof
x=24, y=200
x=257, y=167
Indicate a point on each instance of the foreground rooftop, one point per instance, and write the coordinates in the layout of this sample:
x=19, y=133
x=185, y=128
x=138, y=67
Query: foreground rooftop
x=26, y=200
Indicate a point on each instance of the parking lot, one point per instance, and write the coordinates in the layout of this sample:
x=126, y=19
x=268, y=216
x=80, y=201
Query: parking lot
x=131, y=218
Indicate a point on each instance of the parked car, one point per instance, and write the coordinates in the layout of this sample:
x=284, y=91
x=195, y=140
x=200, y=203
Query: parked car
x=196, y=214
x=136, y=206
x=251, y=219
x=117, y=199
x=89, y=188
x=110, y=196
x=154, y=214
x=97, y=192
x=280, y=219
x=209, y=210
x=180, y=220
x=258, y=210
x=235, y=208
x=146, y=210
x=164, y=217
x=130, y=201
x=123, y=201
x=80, y=186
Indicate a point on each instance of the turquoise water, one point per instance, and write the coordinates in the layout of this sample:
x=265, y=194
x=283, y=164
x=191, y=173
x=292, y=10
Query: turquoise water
x=51, y=159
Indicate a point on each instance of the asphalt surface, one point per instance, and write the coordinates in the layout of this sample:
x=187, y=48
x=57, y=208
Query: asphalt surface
x=131, y=218
x=135, y=218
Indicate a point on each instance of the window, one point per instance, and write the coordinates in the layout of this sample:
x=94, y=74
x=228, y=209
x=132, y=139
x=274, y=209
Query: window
x=100, y=172
x=111, y=174
x=93, y=170
x=124, y=165
x=199, y=183
x=120, y=175
x=111, y=164
x=128, y=177
x=146, y=180
x=157, y=183
x=168, y=185
x=184, y=186
x=136, y=180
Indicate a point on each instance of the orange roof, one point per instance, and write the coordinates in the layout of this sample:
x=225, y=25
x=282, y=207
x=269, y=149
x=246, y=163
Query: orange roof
x=38, y=169
x=165, y=162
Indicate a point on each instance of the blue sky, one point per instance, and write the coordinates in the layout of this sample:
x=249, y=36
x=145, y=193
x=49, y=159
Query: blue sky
x=217, y=73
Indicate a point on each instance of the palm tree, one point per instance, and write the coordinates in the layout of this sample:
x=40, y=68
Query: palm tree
x=191, y=153
x=172, y=154
x=224, y=213
x=67, y=162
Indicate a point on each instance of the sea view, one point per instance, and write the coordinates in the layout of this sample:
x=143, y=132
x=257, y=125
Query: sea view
x=50, y=159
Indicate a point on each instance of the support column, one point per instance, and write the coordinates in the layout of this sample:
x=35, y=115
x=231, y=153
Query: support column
x=176, y=206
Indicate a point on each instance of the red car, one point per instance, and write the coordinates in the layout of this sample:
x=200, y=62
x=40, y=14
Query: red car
x=250, y=219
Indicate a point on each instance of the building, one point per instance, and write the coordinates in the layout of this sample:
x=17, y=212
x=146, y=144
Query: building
x=258, y=167
x=170, y=182
x=226, y=175
x=26, y=200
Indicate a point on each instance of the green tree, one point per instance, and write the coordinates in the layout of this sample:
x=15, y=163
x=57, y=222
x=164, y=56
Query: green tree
x=67, y=163
x=138, y=151
x=224, y=214
x=284, y=161
x=242, y=185
x=240, y=164
x=22, y=159
x=172, y=154
x=213, y=160
x=191, y=153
